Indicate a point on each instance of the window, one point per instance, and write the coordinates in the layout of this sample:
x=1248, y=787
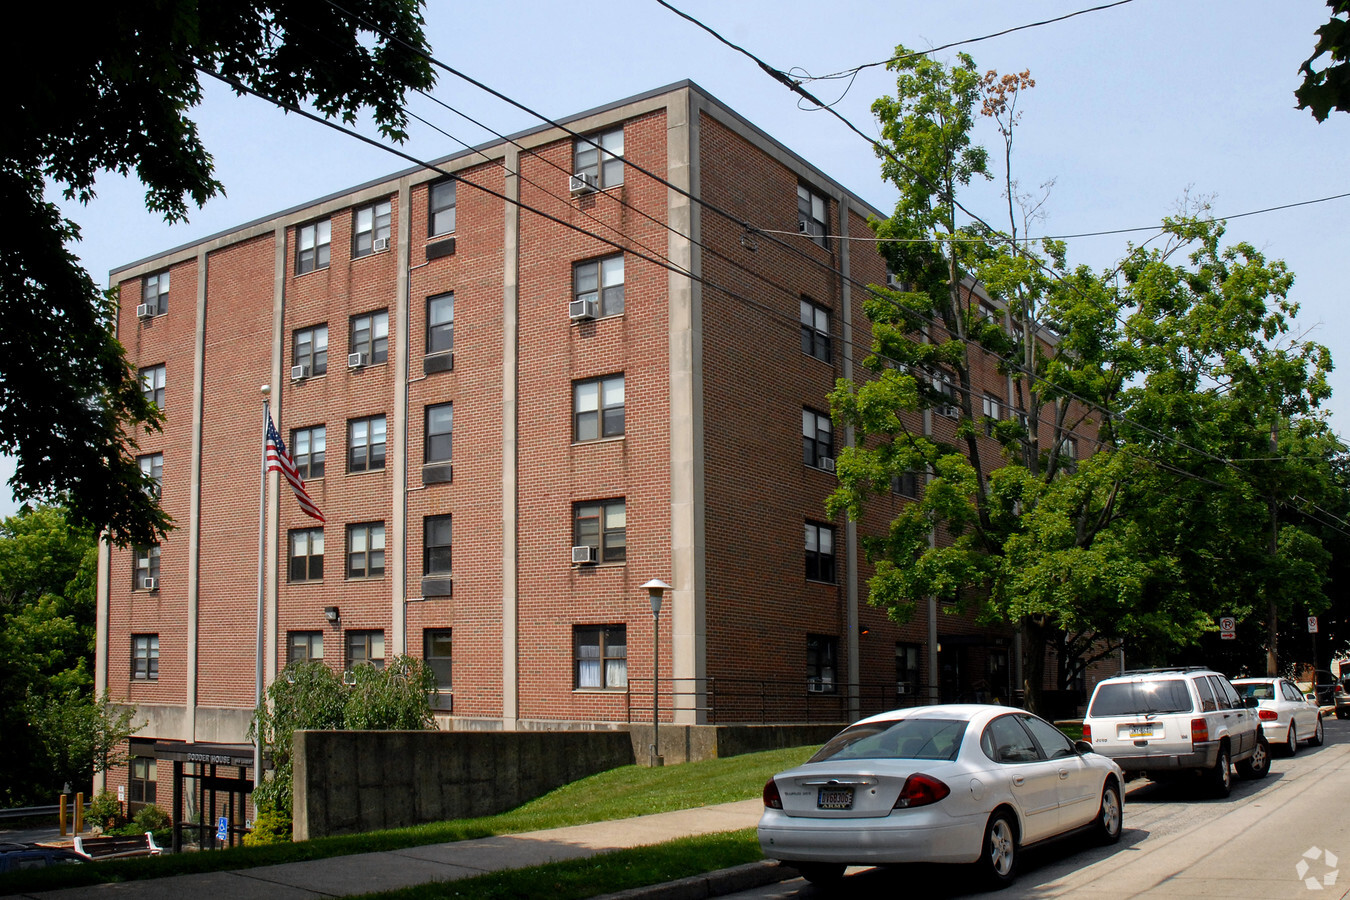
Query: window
x=311, y=246
x=1207, y=702
x=303, y=645
x=365, y=648
x=815, y=330
x=906, y=484
x=605, y=163
x=144, y=775
x=370, y=336
x=145, y=657
x=602, y=525
x=365, y=550
x=907, y=669
x=1054, y=744
x=306, y=554
x=819, y=552
x=155, y=292
x=370, y=224
x=309, y=445
x=1070, y=454
x=812, y=214
x=152, y=467
x=600, y=282
x=601, y=657
x=597, y=408
x=440, y=429
x=365, y=444
x=147, y=566
x=822, y=654
x=817, y=438
x=152, y=385
x=436, y=535
x=441, y=211
x=311, y=349
x=1005, y=740
x=993, y=412
x=436, y=648
x=946, y=390
x=441, y=323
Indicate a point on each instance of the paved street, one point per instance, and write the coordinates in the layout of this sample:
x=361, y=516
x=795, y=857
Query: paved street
x=1177, y=844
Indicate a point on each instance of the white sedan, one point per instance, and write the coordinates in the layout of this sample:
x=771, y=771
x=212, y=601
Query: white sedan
x=1287, y=716
x=947, y=784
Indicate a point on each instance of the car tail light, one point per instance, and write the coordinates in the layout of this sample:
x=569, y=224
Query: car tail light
x=1340, y=689
x=772, y=800
x=920, y=790
x=1199, y=731
x=1087, y=732
x=1268, y=715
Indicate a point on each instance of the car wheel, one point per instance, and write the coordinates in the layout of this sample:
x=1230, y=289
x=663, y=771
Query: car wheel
x=821, y=873
x=998, y=860
x=1291, y=743
x=1110, y=815
x=1316, y=739
x=1219, y=777
x=1258, y=764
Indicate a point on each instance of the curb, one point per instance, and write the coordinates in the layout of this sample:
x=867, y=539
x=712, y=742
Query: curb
x=711, y=884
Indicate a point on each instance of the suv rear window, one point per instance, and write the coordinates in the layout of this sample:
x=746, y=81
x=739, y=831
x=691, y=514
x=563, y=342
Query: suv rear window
x=1137, y=698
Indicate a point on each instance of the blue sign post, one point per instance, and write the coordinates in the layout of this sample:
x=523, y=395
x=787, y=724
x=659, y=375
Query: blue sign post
x=222, y=828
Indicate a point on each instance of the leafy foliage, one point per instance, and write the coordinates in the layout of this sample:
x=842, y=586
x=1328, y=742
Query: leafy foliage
x=1328, y=88
x=71, y=408
x=310, y=696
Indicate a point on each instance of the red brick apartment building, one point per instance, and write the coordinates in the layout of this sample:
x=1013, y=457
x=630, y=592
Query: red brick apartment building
x=510, y=426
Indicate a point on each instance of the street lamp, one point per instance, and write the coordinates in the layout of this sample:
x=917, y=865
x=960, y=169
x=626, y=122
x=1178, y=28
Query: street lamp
x=656, y=589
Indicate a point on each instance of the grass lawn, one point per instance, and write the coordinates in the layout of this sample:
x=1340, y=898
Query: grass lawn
x=617, y=794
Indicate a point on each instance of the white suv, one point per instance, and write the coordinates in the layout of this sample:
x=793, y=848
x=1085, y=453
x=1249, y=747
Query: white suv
x=1160, y=722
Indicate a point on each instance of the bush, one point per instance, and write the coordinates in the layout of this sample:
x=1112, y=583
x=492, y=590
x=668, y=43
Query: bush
x=270, y=827
x=105, y=811
x=151, y=818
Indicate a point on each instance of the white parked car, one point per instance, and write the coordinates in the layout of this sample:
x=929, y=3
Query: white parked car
x=1287, y=715
x=1165, y=722
x=946, y=784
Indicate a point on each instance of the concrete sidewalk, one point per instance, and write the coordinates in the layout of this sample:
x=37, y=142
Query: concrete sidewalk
x=368, y=872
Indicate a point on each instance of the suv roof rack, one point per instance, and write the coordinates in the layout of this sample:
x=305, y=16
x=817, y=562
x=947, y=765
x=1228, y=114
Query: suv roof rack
x=1167, y=669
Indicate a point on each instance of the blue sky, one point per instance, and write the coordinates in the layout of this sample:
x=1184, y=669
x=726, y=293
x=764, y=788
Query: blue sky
x=1134, y=107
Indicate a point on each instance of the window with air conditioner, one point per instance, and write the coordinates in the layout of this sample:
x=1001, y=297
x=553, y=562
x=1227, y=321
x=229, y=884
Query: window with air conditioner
x=369, y=336
x=812, y=214
x=601, y=525
x=310, y=351
x=822, y=661
x=370, y=228
x=155, y=294
x=598, y=283
x=597, y=159
x=817, y=440
x=145, y=572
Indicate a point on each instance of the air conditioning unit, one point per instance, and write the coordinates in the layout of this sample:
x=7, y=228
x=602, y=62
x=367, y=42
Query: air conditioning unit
x=583, y=555
x=145, y=310
x=299, y=373
x=379, y=244
x=356, y=360
x=903, y=688
x=817, y=685
x=893, y=282
x=582, y=183
x=581, y=310
x=826, y=463
x=803, y=227
x=149, y=584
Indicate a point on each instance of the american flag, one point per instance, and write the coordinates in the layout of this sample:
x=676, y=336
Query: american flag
x=279, y=460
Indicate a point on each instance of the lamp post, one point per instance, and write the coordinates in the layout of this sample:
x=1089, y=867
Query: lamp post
x=656, y=589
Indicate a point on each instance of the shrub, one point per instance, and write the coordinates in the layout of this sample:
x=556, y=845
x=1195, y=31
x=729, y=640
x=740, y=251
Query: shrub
x=105, y=811
x=151, y=818
x=270, y=827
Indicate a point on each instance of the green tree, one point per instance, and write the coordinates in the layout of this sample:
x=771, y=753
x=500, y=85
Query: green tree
x=1328, y=88
x=310, y=696
x=71, y=408
x=1191, y=354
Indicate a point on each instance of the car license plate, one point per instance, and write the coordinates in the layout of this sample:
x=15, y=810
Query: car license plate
x=835, y=799
x=1141, y=730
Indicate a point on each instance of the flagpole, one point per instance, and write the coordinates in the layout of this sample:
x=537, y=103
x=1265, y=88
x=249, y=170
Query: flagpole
x=262, y=555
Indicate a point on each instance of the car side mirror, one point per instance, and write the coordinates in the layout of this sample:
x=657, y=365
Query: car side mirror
x=1250, y=702
x=1311, y=698
x=1083, y=747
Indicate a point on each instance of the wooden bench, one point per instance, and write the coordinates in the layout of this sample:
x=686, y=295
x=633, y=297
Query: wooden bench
x=117, y=846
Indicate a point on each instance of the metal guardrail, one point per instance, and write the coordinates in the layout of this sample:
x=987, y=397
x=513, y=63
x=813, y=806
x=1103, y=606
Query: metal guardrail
x=33, y=812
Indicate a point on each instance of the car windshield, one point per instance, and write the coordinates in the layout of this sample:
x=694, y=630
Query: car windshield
x=1260, y=690
x=903, y=739
x=1140, y=698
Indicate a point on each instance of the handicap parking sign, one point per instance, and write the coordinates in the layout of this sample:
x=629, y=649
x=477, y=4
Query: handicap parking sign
x=222, y=828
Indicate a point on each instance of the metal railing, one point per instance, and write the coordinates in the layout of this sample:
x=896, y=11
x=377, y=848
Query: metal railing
x=760, y=701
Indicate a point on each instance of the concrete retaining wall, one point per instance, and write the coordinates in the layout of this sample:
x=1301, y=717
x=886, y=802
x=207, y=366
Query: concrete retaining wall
x=690, y=743
x=355, y=781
